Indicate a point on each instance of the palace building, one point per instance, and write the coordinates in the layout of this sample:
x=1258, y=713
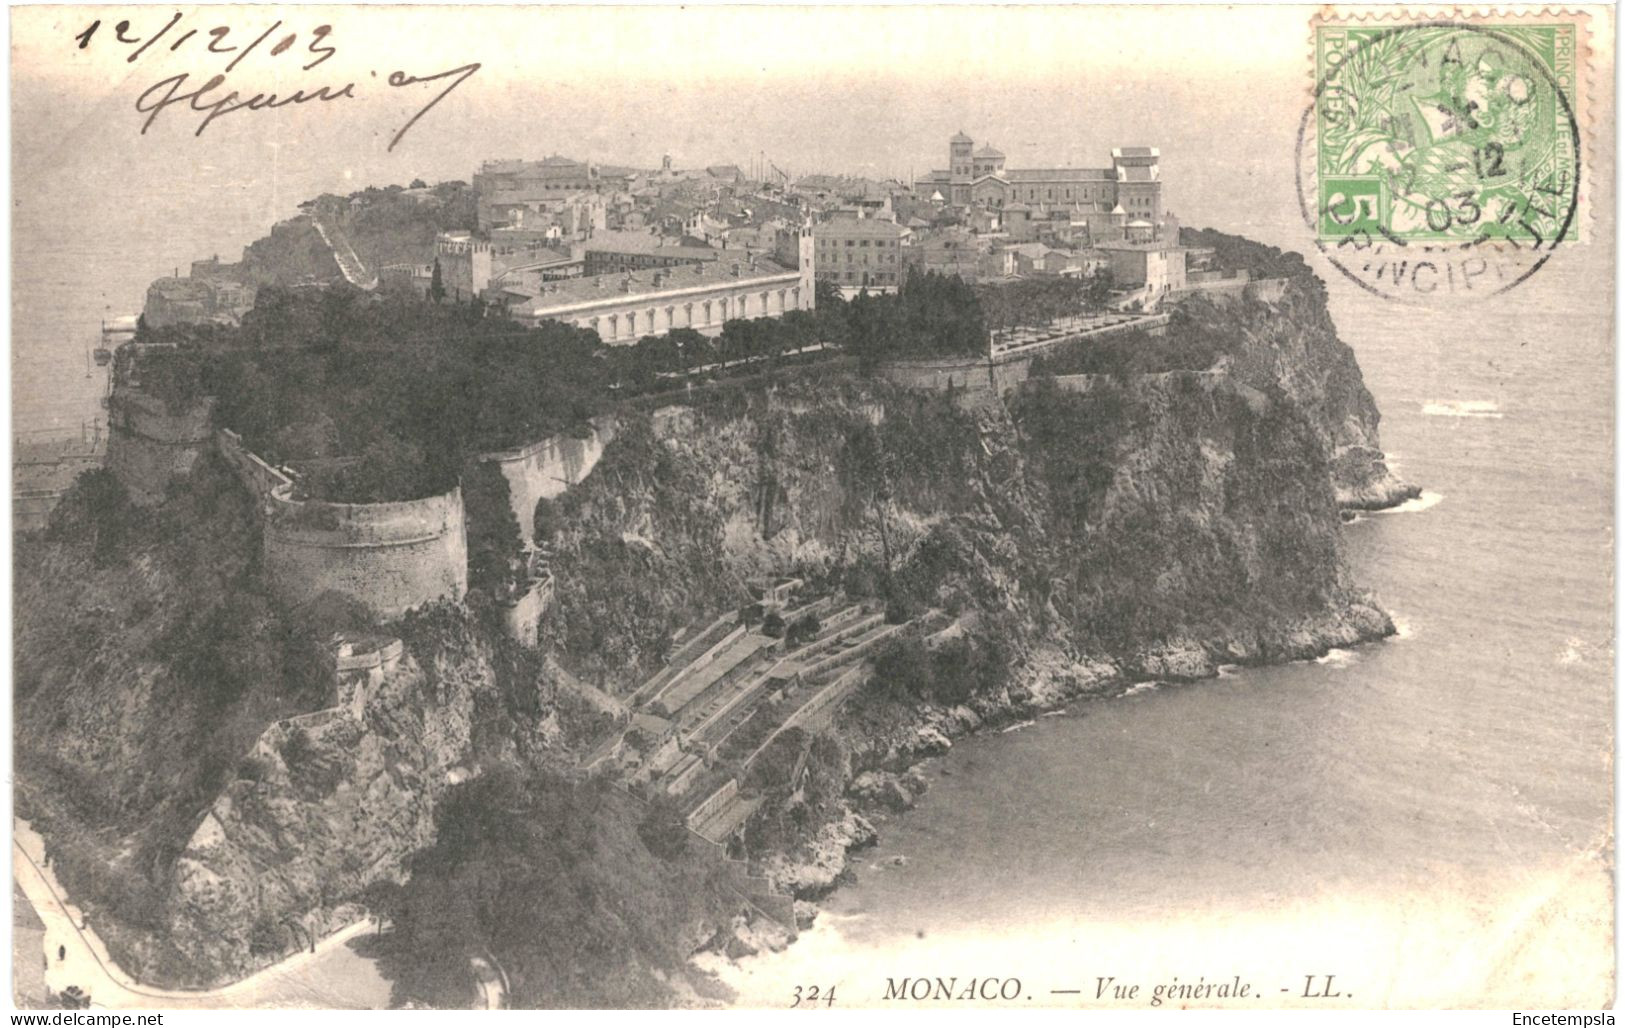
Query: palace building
x=624, y=306
x=978, y=177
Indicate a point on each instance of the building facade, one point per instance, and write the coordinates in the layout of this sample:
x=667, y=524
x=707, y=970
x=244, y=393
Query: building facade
x=1156, y=267
x=860, y=253
x=509, y=185
x=470, y=266
x=978, y=177
x=623, y=307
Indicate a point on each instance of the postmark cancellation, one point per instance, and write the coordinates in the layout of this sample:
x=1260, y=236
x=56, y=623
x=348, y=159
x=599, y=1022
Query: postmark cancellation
x=1442, y=157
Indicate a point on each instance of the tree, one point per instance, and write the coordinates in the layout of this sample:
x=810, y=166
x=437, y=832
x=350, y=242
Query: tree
x=663, y=830
x=1100, y=288
x=494, y=544
x=802, y=629
x=383, y=899
x=830, y=313
x=545, y=522
x=97, y=508
x=692, y=348
x=902, y=668
x=741, y=339
x=265, y=936
x=437, y=286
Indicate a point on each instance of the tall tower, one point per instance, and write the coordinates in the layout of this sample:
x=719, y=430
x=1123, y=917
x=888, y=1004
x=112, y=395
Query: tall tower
x=1139, y=182
x=809, y=273
x=960, y=167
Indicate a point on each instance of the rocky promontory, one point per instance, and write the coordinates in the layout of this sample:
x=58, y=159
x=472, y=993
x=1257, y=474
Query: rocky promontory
x=1061, y=540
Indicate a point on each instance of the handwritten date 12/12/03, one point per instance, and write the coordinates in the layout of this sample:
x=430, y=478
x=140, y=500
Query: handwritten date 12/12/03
x=216, y=97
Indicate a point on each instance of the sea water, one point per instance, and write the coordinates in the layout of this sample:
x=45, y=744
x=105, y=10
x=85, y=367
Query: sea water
x=1427, y=818
x=1424, y=818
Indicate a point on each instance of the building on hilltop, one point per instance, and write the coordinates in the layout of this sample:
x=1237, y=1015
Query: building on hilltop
x=860, y=253
x=563, y=218
x=611, y=252
x=505, y=186
x=625, y=306
x=1158, y=267
x=470, y=267
x=959, y=251
x=978, y=178
x=214, y=296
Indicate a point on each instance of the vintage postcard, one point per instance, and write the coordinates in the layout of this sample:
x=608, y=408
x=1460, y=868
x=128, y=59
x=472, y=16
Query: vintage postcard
x=793, y=507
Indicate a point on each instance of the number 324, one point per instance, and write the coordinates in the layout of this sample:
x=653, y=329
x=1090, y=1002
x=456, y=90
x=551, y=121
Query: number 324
x=812, y=995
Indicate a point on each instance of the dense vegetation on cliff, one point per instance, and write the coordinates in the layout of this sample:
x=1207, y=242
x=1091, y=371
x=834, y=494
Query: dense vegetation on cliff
x=392, y=225
x=1179, y=511
x=149, y=657
x=551, y=879
x=1238, y=253
x=379, y=399
x=389, y=225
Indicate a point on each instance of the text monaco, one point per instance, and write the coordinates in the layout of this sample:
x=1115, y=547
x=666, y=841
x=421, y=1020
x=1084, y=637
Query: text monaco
x=953, y=988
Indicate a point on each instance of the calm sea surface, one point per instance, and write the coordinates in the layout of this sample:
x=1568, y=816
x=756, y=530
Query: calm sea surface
x=1426, y=818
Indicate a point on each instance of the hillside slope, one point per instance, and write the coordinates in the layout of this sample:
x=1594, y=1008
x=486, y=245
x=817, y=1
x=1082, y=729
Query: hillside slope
x=1079, y=533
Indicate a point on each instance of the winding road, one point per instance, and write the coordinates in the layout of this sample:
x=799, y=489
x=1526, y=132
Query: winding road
x=334, y=976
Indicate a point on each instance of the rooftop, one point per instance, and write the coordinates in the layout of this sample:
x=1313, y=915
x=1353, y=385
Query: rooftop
x=649, y=724
x=988, y=150
x=550, y=167
x=647, y=242
x=1059, y=174
x=1154, y=246
x=872, y=228
x=1033, y=251
x=614, y=288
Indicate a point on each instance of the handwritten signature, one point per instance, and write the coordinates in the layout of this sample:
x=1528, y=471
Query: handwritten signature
x=215, y=97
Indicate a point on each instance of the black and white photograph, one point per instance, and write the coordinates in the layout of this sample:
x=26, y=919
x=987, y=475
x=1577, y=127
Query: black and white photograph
x=906, y=508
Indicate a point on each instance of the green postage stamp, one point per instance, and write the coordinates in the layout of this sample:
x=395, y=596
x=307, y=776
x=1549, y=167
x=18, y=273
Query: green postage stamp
x=1441, y=158
x=1446, y=132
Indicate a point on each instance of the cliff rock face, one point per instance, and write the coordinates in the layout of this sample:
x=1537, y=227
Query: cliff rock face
x=335, y=804
x=1168, y=522
x=206, y=793
x=1104, y=529
x=1086, y=532
x=1295, y=342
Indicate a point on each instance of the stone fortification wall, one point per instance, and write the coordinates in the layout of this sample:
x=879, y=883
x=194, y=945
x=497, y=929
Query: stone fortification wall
x=1236, y=288
x=1205, y=379
x=258, y=477
x=966, y=373
x=148, y=447
x=1270, y=290
x=523, y=619
x=390, y=556
x=545, y=469
x=360, y=671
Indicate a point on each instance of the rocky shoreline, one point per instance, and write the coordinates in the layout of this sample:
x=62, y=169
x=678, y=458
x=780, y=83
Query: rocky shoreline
x=1363, y=481
x=888, y=767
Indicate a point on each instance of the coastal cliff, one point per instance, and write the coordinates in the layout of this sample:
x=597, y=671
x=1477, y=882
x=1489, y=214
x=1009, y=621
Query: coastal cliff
x=1140, y=518
x=1079, y=534
x=1295, y=342
x=1067, y=538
